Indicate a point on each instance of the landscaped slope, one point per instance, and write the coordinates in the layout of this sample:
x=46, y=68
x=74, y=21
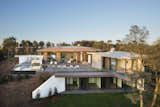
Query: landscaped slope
x=18, y=93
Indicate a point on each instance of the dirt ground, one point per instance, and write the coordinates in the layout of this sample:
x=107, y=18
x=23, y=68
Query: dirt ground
x=7, y=65
x=17, y=93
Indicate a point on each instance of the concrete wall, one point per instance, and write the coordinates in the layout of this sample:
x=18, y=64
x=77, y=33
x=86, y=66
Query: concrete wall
x=140, y=84
x=89, y=59
x=132, y=65
x=119, y=83
x=52, y=83
x=140, y=65
x=96, y=61
x=29, y=58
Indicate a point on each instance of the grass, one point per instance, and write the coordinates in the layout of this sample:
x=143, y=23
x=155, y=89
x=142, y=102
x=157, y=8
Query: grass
x=93, y=100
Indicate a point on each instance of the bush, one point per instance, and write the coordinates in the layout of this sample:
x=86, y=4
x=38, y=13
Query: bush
x=50, y=92
x=3, y=79
x=38, y=95
x=55, y=92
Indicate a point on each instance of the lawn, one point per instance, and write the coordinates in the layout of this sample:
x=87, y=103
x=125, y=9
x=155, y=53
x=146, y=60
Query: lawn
x=93, y=100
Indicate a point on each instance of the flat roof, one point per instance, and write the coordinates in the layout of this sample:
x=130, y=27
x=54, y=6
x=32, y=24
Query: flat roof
x=86, y=74
x=69, y=49
x=117, y=54
x=28, y=56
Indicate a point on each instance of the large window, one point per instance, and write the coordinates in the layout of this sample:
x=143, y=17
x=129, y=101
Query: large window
x=113, y=64
x=72, y=83
x=105, y=63
x=94, y=82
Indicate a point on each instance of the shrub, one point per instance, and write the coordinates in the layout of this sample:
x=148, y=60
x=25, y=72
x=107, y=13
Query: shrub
x=38, y=95
x=3, y=79
x=50, y=92
x=55, y=92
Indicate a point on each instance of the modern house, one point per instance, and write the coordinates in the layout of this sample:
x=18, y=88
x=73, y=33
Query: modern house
x=64, y=53
x=105, y=70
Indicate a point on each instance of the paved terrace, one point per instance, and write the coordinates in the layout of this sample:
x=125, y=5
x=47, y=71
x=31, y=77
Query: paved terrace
x=83, y=71
x=75, y=68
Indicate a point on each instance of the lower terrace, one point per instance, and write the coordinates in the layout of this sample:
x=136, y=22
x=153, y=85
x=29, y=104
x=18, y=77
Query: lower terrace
x=82, y=70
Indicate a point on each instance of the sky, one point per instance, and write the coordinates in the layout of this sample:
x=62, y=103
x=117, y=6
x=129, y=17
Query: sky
x=71, y=20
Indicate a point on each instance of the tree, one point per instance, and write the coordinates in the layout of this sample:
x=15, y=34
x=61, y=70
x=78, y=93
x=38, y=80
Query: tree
x=119, y=45
x=48, y=44
x=23, y=46
x=28, y=46
x=10, y=44
x=136, y=39
x=2, y=57
x=41, y=44
x=17, y=46
x=109, y=44
x=35, y=44
x=63, y=44
x=98, y=44
x=52, y=45
x=137, y=34
x=154, y=63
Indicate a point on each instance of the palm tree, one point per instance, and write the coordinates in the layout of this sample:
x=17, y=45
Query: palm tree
x=48, y=44
x=23, y=46
x=28, y=46
x=41, y=44
x=35, y=44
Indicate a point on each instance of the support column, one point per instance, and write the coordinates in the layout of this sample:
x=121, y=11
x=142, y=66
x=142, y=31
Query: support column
x=58, y=56
x=45, y=55
x=78, y=57
x=85, y=57
x=81, y=57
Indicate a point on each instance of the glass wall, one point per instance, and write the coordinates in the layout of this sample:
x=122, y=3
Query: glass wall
x=72, y=83
x=94, y=83
x=83, y=83
x=113, y=64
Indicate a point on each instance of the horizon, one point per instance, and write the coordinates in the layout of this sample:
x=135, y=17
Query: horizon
x=69, y=21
